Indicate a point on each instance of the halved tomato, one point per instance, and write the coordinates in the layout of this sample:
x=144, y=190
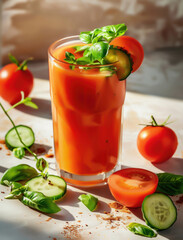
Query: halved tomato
x=133, y=47
x=131, y=185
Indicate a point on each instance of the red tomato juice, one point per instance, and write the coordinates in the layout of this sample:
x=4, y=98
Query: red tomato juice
x=87, y=111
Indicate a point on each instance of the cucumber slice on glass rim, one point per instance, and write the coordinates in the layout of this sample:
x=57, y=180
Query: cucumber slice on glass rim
x=159, y=211
x=121, y=60
x=26, y=134
x=54, y=187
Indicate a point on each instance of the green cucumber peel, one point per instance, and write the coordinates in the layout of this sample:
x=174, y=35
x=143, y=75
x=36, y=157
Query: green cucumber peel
x=89, y=201
x=141, y=229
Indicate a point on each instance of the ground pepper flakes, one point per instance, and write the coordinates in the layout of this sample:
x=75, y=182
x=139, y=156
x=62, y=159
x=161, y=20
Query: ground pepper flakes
x=72, y=232
x=180, y=200
x=119, y=207
x=2, y=141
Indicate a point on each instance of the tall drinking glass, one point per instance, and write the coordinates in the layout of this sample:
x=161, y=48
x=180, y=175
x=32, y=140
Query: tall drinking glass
x=87, y=117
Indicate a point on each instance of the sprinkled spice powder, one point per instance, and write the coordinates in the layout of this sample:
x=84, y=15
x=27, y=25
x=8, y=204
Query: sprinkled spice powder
x=117, y=218
x=118, y=206
x=49, y=155
x=72, y=232
x=48, y=219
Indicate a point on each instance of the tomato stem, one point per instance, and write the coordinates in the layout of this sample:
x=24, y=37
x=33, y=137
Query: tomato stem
x=20, y=66
x=154, y=123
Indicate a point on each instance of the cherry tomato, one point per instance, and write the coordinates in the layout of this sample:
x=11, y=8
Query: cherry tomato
x=157, y=143
x=13, y=81
x=131, y=185
x=133, y=47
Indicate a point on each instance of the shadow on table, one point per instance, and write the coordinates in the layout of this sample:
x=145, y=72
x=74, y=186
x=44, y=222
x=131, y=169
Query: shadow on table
x=173, y=165
x=44, y=110
x=40, y=149
x=17, y=231
x=71, y=199
x=64, y=215
x=3, y=169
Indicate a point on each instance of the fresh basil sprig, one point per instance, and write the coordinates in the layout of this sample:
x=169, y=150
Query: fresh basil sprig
x=141, y=229
x=99, y=39
x=40, y=202
x=105, y=34
x=18, y=173
x=170, y=183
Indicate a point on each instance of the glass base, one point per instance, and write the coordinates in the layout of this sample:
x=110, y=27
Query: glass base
x=86, y=180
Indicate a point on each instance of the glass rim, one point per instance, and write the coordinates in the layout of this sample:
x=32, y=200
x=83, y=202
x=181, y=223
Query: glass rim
x=71, y=64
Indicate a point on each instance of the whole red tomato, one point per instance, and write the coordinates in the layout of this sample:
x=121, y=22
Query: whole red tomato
x=14, y=78
x=133, y=47
x=157, y=143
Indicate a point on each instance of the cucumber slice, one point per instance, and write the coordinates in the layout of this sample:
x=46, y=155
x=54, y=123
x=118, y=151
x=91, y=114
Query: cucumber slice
x=159, y=211
x=54, y=186
x=122, y=61
x=26, y=134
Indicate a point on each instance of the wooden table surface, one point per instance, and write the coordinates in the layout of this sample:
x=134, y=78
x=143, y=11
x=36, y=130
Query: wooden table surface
x=18, y=222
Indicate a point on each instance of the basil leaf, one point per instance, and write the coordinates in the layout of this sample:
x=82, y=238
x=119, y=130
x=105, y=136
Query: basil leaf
x=99, y=50
x=170, y=183
x=15, y=185
x=120, y=29
x=28, y=102
x=18, y=173
x=141, y=229
x=83, y=60
x=70, y=58
x=16, y=189
x=19, y=152
x=17, y=192
x=72, y=67
x=81, y=48
x=39, y=201
x=107, y=33
x=85, y=37
x=89, y=201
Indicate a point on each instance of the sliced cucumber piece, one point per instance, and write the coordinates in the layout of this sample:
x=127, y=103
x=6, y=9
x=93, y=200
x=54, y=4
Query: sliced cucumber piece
x=159, y=211
x=122, y=62
x=54, y=186
x=26, y=134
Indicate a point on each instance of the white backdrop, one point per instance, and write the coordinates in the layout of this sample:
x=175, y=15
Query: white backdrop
x=30, y=26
